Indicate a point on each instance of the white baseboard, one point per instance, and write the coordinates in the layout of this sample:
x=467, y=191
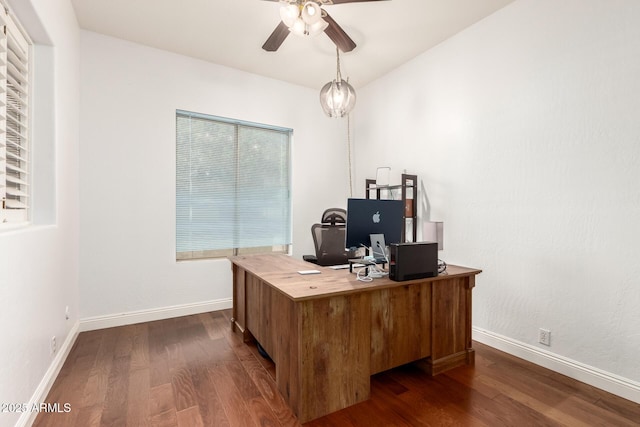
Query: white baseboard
x=39, y=396
x=129, y=318
x=609, y=382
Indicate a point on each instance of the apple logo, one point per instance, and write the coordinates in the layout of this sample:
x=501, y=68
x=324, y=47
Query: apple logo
x=376, y=217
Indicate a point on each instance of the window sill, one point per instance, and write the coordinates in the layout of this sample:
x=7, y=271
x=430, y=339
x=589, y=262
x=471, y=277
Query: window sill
x=13, y=226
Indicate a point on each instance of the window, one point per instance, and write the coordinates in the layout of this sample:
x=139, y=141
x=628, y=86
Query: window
x=232, y=187
x=14, y=130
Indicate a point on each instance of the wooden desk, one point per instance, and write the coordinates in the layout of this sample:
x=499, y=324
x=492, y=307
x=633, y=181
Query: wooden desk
x=328, y=333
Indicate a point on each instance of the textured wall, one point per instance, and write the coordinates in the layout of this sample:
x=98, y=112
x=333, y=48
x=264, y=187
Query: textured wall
x=525, y=134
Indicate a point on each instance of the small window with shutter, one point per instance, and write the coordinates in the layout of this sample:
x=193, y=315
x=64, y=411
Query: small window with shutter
x=15, y=47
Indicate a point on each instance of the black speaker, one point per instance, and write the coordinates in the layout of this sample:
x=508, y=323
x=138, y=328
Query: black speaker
x=411, y=261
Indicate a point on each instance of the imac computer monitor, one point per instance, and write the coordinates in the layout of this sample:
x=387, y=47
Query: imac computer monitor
x=373, y=216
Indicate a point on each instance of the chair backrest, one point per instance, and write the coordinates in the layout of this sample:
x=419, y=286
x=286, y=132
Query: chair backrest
x=329, y=237
x=334, y=216
x=329, y=243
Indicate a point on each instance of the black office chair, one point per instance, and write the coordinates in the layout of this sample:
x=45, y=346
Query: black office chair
x=329, y=239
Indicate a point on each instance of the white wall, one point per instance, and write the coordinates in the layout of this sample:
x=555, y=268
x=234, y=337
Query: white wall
x=525, y=134
x=39, y=263
x=130, y=94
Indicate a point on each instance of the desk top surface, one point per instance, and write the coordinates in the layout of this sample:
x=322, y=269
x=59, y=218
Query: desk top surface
x=281, y=272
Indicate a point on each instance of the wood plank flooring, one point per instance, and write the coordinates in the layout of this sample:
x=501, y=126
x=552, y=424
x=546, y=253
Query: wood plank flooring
x=192, y=371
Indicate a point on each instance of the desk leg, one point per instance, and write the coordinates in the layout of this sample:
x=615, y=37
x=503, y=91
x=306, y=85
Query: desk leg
x=239, y=312
x=451, y=313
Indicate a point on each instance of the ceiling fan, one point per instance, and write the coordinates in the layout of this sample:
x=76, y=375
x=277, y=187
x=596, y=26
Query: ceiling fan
x=306, y=17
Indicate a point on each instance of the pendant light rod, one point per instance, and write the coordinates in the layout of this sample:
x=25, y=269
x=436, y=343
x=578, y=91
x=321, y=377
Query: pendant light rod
x=339, y=76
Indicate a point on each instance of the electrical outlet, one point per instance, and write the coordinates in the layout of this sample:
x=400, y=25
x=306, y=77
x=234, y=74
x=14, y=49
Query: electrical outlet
x=53, y=344
x=544, y=336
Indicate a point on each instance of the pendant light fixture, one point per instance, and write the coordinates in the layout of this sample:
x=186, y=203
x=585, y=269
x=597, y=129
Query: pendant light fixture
x=337, y=97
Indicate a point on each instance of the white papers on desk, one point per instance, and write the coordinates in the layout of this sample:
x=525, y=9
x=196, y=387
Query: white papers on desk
x=309, y=272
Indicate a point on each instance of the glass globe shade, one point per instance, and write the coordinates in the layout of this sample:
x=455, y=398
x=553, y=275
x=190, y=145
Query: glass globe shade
x=337, y=98
x=311, y=13
x=289, y=14
x=317, y=28
x=299, y=27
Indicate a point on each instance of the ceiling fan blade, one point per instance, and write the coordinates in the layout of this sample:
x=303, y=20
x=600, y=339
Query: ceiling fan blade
x=337, y=34
x=276, y=38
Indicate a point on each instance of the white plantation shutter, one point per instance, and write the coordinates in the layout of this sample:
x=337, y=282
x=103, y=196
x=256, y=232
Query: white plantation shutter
x=14, y=129
x=232, y=187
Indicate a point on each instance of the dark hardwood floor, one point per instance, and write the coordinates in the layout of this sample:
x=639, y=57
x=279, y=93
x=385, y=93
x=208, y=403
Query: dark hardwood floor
x=192, y=371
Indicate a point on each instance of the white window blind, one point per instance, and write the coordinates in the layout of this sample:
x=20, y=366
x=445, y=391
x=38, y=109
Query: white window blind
x=232, y=187
x=14, y=129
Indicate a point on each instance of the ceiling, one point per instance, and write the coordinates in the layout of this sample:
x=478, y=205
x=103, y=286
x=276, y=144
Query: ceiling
x=231, y=33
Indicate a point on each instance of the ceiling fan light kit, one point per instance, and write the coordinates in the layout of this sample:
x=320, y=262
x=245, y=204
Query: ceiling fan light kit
x=307, y=18
x=303, y=19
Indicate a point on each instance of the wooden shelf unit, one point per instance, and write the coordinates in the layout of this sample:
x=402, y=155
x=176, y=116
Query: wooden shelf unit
x=407, y=191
